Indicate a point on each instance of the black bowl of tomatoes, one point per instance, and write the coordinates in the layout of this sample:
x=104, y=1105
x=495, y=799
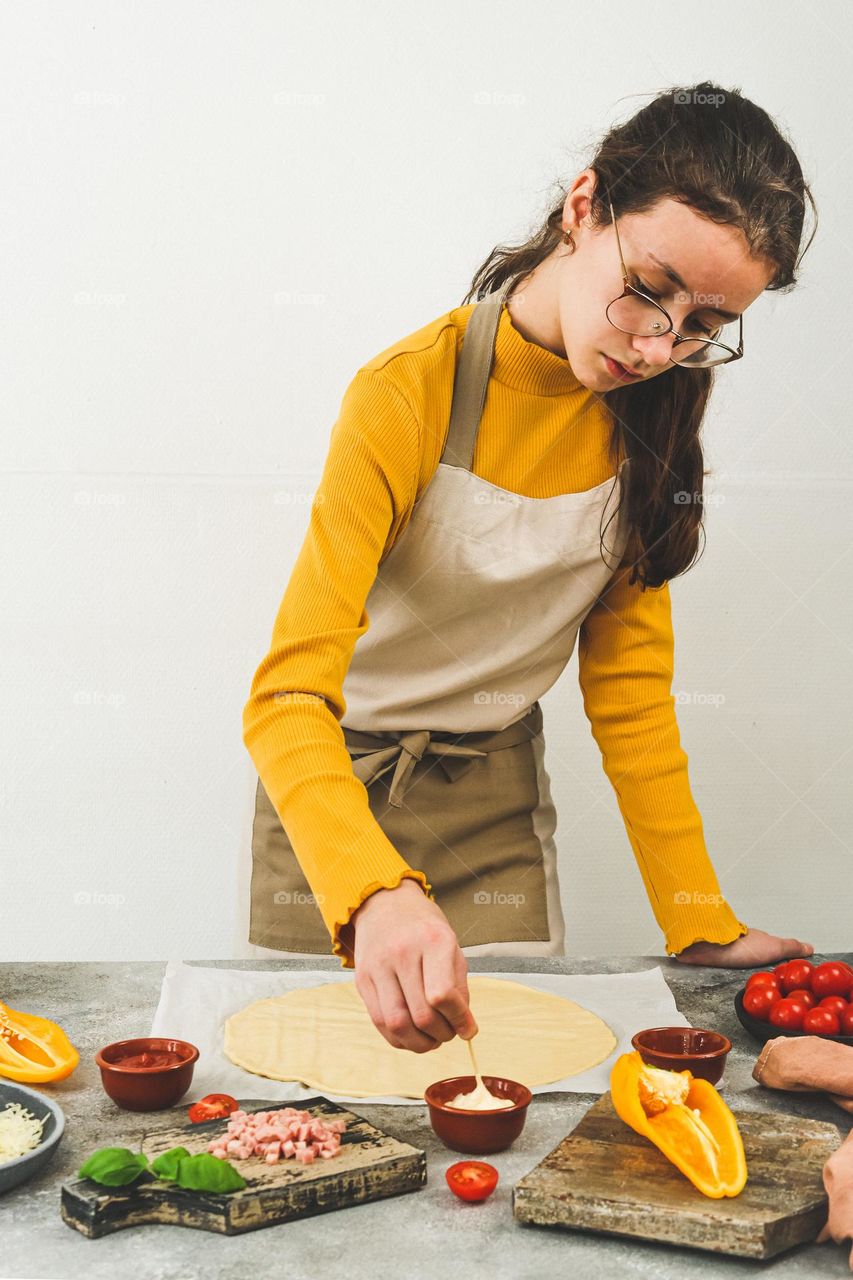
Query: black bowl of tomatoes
x=799, y=998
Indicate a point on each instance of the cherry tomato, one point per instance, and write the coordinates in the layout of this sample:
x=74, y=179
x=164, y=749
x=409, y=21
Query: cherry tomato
x=797, y=974
x=764, y=980
x=847, y=1021
x=777, y=969
x=472, y=1179
x=760, y=1000
x=213, y=1106
x=762, y=977
x=821, y=1022
x=808, y=998
x=830, y=979
x=788, y=1013
x=836, y=1003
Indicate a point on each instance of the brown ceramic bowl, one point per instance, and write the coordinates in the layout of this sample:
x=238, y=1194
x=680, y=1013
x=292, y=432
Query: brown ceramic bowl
x=695, y=1049
x=477, y=1132
x=146, y=1088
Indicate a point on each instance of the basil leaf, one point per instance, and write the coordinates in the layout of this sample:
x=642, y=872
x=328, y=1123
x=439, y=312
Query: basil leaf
x=204, y=1172
x=166, y=1164
x=114, y=1166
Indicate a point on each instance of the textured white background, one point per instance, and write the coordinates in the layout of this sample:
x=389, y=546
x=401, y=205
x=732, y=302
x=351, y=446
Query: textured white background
x=212, y=215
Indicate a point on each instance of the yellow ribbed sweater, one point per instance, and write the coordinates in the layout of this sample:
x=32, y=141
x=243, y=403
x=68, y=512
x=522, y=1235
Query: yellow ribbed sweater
x=542, y=433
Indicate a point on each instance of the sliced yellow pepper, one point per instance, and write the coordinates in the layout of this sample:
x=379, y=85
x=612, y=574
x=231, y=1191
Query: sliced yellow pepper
x=32, y=1049
x=686, y=1118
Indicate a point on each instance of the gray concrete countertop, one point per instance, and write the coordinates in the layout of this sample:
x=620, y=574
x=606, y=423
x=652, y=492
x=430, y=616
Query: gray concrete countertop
x=423, y=1233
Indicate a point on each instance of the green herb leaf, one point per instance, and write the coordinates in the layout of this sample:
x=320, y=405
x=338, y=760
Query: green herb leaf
x=166, y=1164
x=114, y=1166
x=204, y=1172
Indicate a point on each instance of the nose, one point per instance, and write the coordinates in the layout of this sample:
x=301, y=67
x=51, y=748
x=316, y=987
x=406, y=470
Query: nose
x=655, y=352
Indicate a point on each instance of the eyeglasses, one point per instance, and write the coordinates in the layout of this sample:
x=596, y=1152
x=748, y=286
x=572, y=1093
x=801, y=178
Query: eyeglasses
x=636, y=313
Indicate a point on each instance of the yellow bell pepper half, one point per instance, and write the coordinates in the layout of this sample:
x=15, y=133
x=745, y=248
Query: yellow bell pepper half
x=33, y=1050
x=686, y=1119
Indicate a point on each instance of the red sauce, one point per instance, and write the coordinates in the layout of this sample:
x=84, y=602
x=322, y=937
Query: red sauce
x=149, y=1058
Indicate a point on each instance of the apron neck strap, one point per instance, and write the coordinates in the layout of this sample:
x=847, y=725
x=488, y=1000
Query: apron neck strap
x=472, y=377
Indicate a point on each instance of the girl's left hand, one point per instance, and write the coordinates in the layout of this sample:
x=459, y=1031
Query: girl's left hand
x=751, y=950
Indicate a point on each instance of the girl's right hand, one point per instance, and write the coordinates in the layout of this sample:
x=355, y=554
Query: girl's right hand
x=409, y=969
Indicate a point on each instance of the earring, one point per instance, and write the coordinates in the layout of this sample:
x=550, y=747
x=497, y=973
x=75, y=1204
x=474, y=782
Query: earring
x=567, y=237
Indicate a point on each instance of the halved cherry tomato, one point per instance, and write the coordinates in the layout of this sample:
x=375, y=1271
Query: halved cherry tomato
x=830, y=979
x=472, y=1179
x=821, y=1022
x=808, y=998
x=836, y=1003
x=788, y=1013
x=760, y=1000
x=797, y=974
x=213, y=1106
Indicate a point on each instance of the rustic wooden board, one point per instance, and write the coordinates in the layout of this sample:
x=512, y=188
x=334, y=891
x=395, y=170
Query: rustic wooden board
x=605, y=1177
x=370, y=1165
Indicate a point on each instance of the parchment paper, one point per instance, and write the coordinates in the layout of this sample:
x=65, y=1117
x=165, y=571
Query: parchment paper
x=195, y=1001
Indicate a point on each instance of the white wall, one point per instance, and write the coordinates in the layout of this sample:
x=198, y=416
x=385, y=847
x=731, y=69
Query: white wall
x=213, y=214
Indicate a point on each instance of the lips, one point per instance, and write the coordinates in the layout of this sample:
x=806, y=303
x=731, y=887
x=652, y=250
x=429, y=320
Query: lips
x=620, y=371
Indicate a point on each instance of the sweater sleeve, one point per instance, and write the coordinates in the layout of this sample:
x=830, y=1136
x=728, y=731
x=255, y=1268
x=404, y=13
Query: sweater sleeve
x=297, y=745
x=625, y=657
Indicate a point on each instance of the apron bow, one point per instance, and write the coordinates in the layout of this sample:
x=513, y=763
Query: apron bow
x=412, y=746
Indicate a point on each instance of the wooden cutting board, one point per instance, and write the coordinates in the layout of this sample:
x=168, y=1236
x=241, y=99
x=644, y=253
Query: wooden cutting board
x=370, y=1165
x=605, y=1177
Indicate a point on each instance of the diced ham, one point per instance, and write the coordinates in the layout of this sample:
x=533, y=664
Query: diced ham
x=278, y=1135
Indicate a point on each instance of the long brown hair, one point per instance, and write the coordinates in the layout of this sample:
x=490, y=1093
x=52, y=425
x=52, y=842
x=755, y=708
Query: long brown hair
x=722, y=155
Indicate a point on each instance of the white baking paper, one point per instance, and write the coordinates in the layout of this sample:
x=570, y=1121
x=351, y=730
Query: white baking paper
x=195, y=1002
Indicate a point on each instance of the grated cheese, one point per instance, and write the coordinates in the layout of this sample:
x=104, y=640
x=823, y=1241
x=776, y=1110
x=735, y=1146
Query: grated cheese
x=20, y=1131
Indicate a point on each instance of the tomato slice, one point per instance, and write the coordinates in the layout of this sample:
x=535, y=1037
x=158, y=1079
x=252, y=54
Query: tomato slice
x=213, y=1106
x=472, y=1179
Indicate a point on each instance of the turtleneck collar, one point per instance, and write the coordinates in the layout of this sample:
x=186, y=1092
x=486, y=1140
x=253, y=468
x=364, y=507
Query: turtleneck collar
x=529, y=367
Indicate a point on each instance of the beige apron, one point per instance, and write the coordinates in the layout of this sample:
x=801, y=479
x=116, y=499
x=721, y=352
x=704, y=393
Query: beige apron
x=474, y=614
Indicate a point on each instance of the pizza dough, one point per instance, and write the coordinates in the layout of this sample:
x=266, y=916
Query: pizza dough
x=323, y=1036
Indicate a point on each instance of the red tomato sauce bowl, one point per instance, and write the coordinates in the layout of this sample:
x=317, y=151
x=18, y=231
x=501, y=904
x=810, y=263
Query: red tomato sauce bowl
x=699, y=1050
x=149, y=1073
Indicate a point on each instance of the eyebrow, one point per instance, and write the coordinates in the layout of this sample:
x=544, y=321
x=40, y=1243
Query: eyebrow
x=673, y=275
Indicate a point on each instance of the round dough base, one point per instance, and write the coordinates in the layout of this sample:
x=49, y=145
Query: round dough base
x=323, y=1037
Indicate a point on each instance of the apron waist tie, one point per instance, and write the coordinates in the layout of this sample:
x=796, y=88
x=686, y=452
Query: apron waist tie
x=405, y=753
x=372, y=762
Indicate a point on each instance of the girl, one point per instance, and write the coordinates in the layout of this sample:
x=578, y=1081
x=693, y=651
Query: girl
x=522, y=472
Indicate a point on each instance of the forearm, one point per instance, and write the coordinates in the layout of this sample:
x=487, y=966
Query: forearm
x=626, y=653
x=342, y=850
